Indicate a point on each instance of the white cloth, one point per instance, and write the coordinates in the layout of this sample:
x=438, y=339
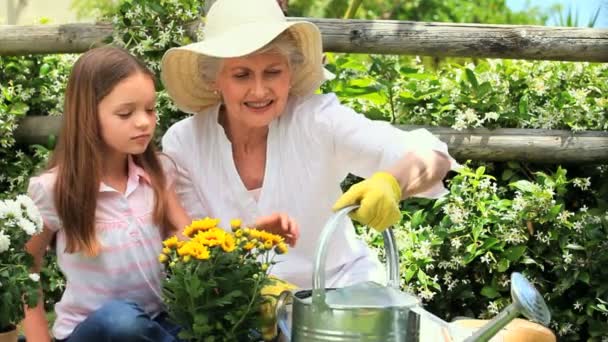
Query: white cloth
x=311, y=147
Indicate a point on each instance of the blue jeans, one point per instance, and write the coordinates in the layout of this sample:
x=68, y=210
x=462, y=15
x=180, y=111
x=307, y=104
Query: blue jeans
x=123, y=321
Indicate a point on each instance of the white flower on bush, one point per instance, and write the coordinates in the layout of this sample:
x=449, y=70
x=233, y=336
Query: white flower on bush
x=10, y=209
x=35, y=276
x=582, y=183
x=5, y=242
x=493, y=308
x=31, y=211
x=27, y=226
x=567, y=257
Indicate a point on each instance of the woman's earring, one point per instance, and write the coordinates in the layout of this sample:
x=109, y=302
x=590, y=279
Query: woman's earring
x=219, y=95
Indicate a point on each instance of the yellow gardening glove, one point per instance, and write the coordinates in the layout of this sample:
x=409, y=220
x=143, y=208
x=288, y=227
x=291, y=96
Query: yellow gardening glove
x=378, y=198
x=271, y=293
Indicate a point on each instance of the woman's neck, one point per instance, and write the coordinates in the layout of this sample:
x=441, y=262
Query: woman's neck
x=242, y=138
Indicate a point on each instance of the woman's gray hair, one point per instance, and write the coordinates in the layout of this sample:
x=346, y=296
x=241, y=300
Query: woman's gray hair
x=284, y=44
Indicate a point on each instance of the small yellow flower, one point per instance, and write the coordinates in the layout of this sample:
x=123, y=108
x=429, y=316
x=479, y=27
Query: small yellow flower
x=171, y=242
x=268, y=244
x=205, y=224
x=166, y=250
x=249, y=246
x=238, y=233
x=264, y=267
x=281, y=248
x=186, y=258
x=163, y=258
x=235, y=224
x=211, y=238
x=228, y=245
x=201, y=252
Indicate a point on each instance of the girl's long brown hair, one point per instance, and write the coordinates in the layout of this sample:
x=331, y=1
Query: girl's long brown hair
x=78, y=158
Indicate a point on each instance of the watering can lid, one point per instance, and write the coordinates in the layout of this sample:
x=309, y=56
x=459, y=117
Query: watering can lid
x=369, y=295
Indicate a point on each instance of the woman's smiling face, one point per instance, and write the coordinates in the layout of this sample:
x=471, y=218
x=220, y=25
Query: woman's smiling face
x=254, y=88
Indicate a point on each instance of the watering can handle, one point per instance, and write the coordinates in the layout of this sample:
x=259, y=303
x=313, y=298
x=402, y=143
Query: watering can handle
x=318, y=276
x=281, y=314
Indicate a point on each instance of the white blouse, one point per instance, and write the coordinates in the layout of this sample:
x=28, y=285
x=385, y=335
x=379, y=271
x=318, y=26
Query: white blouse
x=311, y=147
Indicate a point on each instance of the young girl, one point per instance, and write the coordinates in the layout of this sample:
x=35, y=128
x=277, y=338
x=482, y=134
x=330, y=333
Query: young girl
x=109, y=203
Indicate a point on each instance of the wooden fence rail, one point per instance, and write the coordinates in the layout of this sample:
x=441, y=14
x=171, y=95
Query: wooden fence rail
x=365, y=36
x=534, y=145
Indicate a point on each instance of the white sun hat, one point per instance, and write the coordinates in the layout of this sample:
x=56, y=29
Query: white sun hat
x=236, y=28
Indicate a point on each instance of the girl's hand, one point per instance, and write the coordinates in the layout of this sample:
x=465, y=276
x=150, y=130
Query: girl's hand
x=280, y=224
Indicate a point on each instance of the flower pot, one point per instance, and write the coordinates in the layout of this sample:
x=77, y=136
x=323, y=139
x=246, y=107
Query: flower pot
x=9, y=336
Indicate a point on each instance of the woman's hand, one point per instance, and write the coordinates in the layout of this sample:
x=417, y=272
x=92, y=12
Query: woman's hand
x=280, y=224
x=378, y=199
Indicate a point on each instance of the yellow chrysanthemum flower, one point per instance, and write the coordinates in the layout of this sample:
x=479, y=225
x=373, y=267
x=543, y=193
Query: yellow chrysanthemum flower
x=184, y=249
x=249, y=246
x=186, y=258
x=281, y=248
x=235, y=224
x=200, y=252
x=189, y=231
x=166, y=250
x=211, y=238
x=205, y=224
x=268, y=244
x=228, y=245
x=171, y=242
x=163, y=258
x=238, y=233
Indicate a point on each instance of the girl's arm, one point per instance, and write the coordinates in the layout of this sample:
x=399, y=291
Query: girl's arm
x=177, y=214
x=35, y=323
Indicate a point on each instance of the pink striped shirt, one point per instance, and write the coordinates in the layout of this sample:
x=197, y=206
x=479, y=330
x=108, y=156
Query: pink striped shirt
x=127, y=267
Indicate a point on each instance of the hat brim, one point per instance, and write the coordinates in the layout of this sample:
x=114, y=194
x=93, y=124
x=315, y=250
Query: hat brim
x=192, y=94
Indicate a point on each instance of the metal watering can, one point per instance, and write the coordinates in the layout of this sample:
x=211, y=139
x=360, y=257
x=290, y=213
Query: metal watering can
x=369, y=311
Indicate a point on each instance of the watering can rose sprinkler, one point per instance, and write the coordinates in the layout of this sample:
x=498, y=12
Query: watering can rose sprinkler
x=369, y=311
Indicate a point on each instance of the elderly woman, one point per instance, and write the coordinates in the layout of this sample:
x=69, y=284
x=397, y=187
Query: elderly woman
x=260, y=141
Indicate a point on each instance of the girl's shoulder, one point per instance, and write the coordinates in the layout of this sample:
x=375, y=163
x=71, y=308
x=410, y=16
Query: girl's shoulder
x=45, y=180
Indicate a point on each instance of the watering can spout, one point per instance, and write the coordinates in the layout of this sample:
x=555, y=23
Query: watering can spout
x=526, y=301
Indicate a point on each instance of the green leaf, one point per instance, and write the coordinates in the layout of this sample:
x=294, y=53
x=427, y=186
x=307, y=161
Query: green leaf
x=418, y=218
x=409, y=274
x=524, y=185
x=523, y=105
x=18, y=109
x=503, y=265
x=514, y=253
x=584, y=277
x=490, y=292
x=554, y=211
x=507, y=174
x=575, y=247
x=471, y=77
x=44, y=69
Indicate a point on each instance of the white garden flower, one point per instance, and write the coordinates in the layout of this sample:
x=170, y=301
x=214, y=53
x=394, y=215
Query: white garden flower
x=31, y=211
x=34, y=276
x=493, y=308
x=10, y=209
x=5, y=242
x=28, y=227
x=567, y=257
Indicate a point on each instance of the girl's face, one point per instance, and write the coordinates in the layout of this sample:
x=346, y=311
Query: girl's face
x=127, y=115
x=254, y=88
